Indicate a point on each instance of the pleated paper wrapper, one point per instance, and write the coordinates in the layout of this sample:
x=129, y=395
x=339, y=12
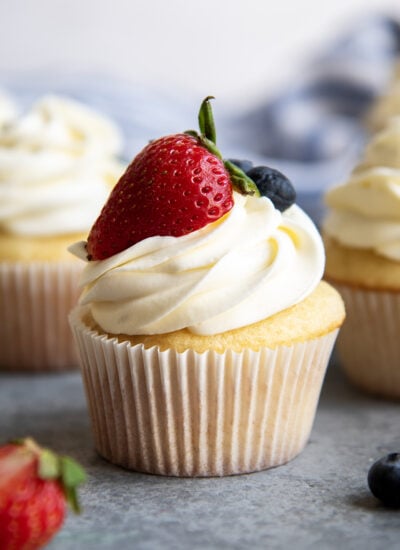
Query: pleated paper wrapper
x=192, y=414
x=369, y=341
x=35, y=300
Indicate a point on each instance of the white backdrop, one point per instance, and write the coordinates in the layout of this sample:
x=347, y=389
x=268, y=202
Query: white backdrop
x=234, y=49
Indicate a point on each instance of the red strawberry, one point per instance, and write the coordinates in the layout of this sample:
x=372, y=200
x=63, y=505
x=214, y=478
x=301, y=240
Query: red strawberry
x=175, y=185
x=34, y=487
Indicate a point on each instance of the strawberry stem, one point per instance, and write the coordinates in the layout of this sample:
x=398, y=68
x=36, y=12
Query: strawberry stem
x=208, y=138
x=63, y=469
x=206, y=120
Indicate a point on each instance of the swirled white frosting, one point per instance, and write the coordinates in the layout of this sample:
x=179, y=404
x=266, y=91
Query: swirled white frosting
x=365, y=211
x=57, y=166
x=247, y=266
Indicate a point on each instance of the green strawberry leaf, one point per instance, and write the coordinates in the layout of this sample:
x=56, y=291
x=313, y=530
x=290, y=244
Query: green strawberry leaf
x=192, y=133
x=71, y=472
x=206, y=120
x=71, y=496
x=71, y=475
x=240, y=180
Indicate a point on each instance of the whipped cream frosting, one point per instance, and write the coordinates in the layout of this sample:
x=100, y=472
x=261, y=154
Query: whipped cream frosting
x=245, y=267
x=365, y=210
x=57, y=166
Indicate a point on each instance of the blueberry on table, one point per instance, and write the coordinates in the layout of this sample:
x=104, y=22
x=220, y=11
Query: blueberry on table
x=384, y=480
x=273, y=184
x=244, y=165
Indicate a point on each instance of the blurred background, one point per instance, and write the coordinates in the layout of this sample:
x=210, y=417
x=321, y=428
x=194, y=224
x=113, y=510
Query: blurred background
x=292, y=79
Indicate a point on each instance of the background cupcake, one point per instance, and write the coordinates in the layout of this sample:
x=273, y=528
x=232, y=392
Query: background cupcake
x=204, y=331
x=362, y=238
x=58, y=163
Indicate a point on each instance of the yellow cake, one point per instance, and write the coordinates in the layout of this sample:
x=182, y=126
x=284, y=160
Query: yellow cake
x=361, y=268
x=295, y=324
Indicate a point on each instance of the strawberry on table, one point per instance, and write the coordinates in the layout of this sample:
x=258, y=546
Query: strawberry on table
x=175, y=185
x=35, y=485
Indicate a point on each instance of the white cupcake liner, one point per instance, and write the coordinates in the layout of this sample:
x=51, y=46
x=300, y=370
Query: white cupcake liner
x=192, y=414
x=35, y=300
x=369, y=342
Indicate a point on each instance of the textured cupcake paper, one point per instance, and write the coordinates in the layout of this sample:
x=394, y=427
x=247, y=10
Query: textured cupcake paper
x=35, y=300
x=369, y=342
x=192, y=414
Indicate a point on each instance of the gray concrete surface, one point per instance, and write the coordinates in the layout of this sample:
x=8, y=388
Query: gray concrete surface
x=319, y=500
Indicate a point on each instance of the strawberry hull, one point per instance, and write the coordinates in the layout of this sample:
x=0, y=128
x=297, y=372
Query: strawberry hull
x=35, y=485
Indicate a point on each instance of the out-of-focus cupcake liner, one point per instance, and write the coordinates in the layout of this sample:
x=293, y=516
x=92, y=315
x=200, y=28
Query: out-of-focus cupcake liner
x=35, y=300
x=192, y=414
x=369, y=342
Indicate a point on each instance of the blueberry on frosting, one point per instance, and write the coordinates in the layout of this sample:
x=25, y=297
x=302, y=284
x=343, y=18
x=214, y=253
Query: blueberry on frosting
x=273, y=184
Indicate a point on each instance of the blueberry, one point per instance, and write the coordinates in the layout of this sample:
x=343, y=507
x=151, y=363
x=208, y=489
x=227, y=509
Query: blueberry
x=244, y=165
x=384, y=480
x=273, y=184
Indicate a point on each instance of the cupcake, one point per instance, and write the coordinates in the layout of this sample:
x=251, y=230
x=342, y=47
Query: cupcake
x=57, y=166
x=362, y=239
x=204, y=329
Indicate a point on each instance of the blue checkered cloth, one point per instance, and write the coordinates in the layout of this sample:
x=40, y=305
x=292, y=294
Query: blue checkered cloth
x=312, y=131
x=318, y=117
